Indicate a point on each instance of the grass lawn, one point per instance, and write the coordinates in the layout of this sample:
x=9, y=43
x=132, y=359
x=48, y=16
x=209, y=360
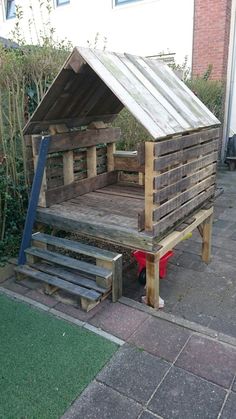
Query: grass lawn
x=45, y=363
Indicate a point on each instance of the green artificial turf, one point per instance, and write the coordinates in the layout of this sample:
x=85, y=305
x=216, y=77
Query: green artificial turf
x=45, y=363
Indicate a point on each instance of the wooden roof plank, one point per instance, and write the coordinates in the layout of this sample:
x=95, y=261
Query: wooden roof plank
x=121, y=92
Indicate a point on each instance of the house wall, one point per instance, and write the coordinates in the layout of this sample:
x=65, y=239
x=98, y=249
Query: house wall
x=145, y=27
x=211, y=37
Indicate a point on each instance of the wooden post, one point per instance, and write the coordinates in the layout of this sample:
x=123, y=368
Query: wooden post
x=42, y=198
x=117, y=279
x=68, y=167
x=206, y=239
x=92, y=161
x=149, y=175
x=111, y=148
x=152, y=279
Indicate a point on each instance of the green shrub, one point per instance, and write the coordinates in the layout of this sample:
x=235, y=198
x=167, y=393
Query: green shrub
x=26, y=74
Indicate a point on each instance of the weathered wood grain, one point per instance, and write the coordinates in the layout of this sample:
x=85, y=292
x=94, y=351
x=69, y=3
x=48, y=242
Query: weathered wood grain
x=176, y=216
x=84, y=186
x=190, y=140
x=178, y=173
x=128, y=163
x=184, y=183
x=181, y=198
x=184, y=155
x=79, y=139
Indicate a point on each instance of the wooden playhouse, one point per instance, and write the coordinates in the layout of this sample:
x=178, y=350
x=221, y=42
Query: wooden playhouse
x=148, y=199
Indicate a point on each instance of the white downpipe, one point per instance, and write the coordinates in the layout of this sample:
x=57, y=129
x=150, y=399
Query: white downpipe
x=231, y=68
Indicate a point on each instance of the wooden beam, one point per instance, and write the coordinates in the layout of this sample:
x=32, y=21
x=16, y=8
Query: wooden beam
x=72, y=140
x=206, y=239
x=114, y=234
x=91, y=161
x=111, y=148
x=68, y=167
x=152, y=280
x=37, y=126
x=149, y=179
x=173, y=238
x=127, y=163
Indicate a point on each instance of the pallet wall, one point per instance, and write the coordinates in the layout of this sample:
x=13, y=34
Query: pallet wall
x=77, y=162
x=180, y=177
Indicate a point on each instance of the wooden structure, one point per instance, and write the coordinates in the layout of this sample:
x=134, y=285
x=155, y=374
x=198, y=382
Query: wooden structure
x=137, y=199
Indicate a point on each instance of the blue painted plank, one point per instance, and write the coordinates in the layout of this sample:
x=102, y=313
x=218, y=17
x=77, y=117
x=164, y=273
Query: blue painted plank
x=33, y=200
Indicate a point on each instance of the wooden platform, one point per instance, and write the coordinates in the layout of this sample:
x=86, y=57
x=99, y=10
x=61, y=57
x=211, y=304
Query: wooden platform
x=110, y=213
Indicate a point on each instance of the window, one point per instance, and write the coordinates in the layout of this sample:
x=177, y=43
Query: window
x=120, y=2
x=61, y=2
x=10, y=8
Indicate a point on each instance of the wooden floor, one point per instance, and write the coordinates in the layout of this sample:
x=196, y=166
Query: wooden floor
x=110, y=213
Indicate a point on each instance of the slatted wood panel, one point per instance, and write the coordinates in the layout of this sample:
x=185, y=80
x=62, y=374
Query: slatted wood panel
x=184, y=171
x=88, y=153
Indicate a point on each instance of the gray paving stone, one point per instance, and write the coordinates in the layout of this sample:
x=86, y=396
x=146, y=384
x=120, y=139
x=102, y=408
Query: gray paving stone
x=183, y=395
x=209, y=359
x=42, y=298
x=13, y=285
x=222, y=224
x=134, y=373
x=234, y=386
x=229, y=411
x=78, y=313
x=148, y=415
x=191, y=261
x=160, y=338
x=186, y=312
x=100, y=401
x=120, y=320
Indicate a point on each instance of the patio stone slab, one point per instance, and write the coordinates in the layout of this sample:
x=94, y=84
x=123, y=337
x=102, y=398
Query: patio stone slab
x=42, y=298
x=183, y=395
x=120, y=320
x=77, y=312
x=160, y=338
x=134, y=373
x=229, y=411
x=15, y=286
x=209, y=359
x=148, y=415
x=100, y=401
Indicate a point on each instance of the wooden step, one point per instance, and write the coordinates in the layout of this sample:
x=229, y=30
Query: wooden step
x=58, y=282
x=76, y=247
x=69, y=262
x=65, y=274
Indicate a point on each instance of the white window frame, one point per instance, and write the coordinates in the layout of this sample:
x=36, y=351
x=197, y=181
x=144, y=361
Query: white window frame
x=5, y=10
x=125, y=3
x=65, y=3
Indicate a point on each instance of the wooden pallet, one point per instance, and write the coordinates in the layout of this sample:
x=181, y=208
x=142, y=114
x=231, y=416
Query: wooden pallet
x=91, y=282
x=179, y=178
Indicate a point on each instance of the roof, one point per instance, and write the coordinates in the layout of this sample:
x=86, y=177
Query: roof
x=96, y=85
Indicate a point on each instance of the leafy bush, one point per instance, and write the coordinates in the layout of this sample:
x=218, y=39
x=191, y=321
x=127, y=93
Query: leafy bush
x=210, y=92
x=26, y=74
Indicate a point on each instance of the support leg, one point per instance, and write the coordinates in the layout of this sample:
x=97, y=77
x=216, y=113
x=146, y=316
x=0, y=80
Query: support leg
x=152, y=280
x=206, y=239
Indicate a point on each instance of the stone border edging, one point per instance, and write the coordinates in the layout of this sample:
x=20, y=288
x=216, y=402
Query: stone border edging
x=195, y=327
x=61, y=315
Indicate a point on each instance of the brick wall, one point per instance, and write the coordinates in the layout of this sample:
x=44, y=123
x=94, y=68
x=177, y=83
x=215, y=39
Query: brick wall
x=211, y=37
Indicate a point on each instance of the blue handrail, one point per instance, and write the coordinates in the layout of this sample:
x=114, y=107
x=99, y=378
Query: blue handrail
x=34, y=197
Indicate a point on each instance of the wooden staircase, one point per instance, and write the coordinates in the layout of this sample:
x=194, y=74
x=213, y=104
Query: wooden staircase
x=90, y=281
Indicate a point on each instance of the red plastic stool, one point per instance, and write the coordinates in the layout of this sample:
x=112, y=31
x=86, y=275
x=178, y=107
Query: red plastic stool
x=141, y=259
